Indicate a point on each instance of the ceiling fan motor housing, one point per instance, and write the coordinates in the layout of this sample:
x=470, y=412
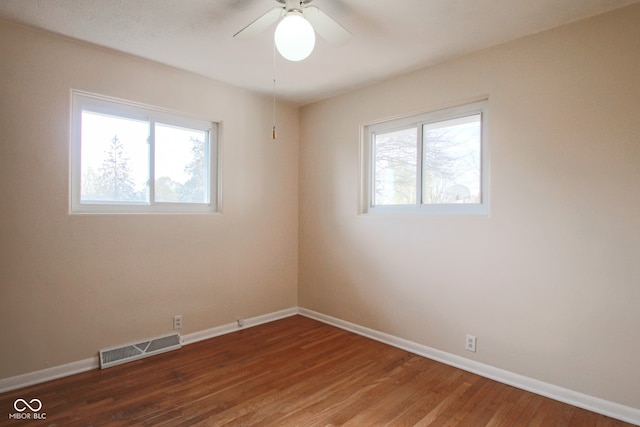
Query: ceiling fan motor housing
x=294, y=4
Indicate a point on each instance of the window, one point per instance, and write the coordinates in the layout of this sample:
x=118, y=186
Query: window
x=434, y=162
x=128, y=158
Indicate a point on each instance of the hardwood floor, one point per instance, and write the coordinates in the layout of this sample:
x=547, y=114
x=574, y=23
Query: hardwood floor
x=292, y=372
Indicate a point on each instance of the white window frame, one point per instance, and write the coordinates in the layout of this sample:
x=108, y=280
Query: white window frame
x=368, y=132
x=83, y=101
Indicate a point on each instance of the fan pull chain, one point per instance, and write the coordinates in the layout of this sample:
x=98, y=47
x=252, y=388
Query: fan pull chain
x=273, y=130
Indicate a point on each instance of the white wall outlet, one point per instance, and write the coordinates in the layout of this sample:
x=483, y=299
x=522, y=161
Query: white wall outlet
x=470, y=343
x=240, y=322
x=177, y=322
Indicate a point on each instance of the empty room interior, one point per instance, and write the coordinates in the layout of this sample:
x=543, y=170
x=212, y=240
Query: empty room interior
x=438, y=184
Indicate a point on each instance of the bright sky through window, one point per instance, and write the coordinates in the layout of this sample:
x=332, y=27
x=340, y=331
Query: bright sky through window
x=102, y=137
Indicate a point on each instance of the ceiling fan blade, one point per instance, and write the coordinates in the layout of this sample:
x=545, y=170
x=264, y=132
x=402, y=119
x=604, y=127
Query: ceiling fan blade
x=325, y=26
x=260, y=24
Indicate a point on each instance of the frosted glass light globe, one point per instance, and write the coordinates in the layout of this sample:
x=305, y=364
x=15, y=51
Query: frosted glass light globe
x=294, y=37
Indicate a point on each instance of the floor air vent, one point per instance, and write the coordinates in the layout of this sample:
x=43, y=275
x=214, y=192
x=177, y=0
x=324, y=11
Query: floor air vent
x=119, y=355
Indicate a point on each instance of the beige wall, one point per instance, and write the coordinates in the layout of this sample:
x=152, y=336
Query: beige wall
x=549, y=282
x=72, y=284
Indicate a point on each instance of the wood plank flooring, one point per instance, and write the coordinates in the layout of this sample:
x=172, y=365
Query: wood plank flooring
x=292, y=372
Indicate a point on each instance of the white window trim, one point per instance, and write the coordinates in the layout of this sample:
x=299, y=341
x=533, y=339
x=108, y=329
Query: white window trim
x=418, y=119
x=84, y=100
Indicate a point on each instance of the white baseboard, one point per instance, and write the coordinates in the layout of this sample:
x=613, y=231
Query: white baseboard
x=37, y=377
x=591, y=403
x=233, y=327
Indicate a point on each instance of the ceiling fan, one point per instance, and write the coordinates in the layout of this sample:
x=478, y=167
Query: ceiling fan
x=295, y=34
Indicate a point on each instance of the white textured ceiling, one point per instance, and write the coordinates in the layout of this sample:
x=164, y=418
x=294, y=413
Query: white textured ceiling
x=390, y=37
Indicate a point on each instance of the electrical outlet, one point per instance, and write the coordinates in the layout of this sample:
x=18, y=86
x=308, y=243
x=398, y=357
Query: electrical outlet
x=177, y=322
x=470, y=344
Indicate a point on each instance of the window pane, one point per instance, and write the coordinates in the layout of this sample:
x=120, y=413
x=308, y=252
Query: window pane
x=451, y=165
x=395, y=167
x=114, y=159
x=181, y=165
